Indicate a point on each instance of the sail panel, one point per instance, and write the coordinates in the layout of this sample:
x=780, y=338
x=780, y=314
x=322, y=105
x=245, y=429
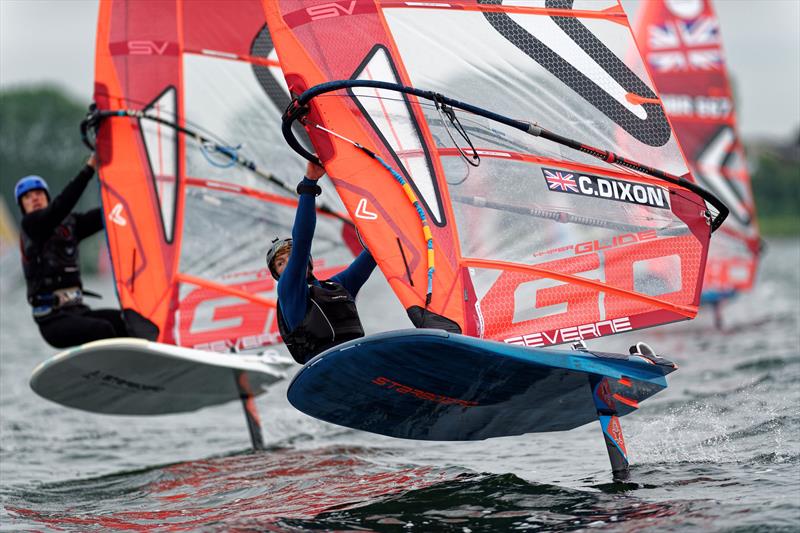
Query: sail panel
x=210, y=83
x=161, y=143
x=578, y=77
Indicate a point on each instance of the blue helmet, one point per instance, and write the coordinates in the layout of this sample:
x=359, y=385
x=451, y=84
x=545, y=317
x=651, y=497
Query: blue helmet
x=30, y=183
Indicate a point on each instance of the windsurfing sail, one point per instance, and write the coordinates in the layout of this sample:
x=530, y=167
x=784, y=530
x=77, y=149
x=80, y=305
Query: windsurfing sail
x=190, y=95
x=574, y=219
x=682, y=45
x=9, y=249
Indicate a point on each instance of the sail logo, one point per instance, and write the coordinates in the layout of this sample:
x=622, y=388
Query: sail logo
x=421, y=394
x=684, y=105
x=116, y=217
x=614, y=431
x=560, y=181
x=681, y=46
x=685, y=9
x=147, y=48
x=618, y=240
x=363, y=213
x=703, y=31
x=572, y=334
x=607, y=188
x=332, y=9
x=692, y=60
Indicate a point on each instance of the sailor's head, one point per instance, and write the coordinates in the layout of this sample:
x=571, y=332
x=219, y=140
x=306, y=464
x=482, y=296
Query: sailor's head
x=32, y=194
x=278, y=256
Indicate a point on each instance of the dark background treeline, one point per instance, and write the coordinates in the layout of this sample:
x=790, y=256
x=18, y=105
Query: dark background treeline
x=39, y=135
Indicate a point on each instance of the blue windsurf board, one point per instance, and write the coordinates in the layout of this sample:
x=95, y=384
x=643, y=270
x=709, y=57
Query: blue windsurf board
x=432, y=385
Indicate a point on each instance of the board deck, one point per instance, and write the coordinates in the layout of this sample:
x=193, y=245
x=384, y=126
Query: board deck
x=129, y=376
x=432, y=385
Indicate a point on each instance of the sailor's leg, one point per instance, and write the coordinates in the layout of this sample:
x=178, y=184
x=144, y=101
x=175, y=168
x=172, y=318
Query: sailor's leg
x=74, y=325
x=250, y=410
x=609, y=423
x=113, y=317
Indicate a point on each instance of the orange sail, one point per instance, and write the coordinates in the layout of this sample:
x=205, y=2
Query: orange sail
x=192, y=94
x=682, y=45
x=512, y=229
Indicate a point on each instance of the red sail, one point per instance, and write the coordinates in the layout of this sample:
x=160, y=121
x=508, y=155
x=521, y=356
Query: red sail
x=537, y=244
x=681, y=43
x=187, y=229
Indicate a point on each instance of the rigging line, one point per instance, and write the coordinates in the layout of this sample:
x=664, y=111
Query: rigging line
x=229, y=151
x=482, y=131
x=410, y=194
x=445, y=110
x=92, y=121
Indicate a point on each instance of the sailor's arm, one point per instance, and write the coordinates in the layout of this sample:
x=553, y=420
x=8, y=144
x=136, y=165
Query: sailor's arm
x=357, y=274
x=40, y=224
x=88, y=223
x=292, y=286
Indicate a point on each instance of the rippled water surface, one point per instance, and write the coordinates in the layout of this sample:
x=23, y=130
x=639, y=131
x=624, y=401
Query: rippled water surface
x=718, y=450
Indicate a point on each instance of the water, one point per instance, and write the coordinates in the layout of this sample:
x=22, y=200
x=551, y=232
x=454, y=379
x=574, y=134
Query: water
x=718, y=450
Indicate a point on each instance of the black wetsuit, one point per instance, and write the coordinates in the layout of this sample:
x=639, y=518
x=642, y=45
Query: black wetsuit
x=49, y=243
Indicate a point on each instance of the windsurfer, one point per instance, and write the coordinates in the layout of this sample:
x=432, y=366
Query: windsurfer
x=314, y=315
x=50, y=236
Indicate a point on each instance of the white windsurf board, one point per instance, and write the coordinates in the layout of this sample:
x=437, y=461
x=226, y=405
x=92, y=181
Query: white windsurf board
x=127, y=376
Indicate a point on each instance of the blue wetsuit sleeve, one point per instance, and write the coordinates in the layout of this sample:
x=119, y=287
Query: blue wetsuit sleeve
x=354, y=276
x=292, y=285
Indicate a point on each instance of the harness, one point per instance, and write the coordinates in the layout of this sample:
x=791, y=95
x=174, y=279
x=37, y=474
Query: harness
x=331, y=319
x=52, y=271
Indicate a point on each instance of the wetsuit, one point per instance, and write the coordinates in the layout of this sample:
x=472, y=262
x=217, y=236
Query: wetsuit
x=49, y=243
x=313, y=315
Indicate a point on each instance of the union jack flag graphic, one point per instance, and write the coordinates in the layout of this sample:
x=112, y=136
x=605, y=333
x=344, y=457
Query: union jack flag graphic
x=663, y=37
x=692, y=45
x=705, y=59
x=701, y=32
x=560, y=181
